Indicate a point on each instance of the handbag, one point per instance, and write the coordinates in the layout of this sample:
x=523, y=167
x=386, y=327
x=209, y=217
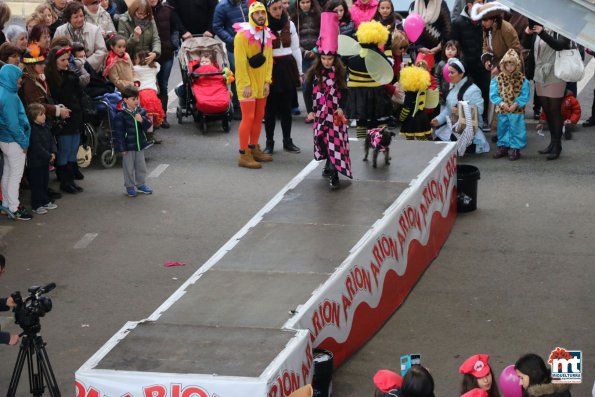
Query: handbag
x=259, y=59
x=569, y=66
x=459, y=121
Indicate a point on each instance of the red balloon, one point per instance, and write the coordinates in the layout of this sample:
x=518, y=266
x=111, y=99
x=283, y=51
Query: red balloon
x=509, y=382
x=414, y=26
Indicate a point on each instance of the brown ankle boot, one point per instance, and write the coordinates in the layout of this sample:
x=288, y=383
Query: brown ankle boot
x=259, y=155
x=247, y=161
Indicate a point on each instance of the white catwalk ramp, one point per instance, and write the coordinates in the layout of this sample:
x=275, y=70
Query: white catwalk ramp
x=324, y=269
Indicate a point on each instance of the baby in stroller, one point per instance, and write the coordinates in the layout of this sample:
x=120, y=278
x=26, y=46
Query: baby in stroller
x=209, y=83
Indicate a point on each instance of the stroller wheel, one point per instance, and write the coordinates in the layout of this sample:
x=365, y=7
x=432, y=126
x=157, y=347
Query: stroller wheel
x=203, y=125
x=179, y=115
x=225, y=125
x=108, y=158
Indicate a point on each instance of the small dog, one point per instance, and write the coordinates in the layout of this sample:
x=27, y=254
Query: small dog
x=378, y=139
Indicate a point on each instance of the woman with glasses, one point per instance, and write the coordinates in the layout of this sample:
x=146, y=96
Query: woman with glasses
x=99, y=17
x=139, y=28
x=80, y=31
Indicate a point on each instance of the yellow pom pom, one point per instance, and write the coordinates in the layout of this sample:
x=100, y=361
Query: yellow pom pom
x=372, y=32
x=414, y=78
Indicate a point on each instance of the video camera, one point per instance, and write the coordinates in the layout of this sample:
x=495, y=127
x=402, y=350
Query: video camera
x=27, y=312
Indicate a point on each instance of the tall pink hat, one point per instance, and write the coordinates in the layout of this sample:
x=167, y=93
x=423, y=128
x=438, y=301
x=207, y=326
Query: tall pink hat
x=329, y=33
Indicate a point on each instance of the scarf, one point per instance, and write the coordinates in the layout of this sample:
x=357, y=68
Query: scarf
x=76, y=34
x=277, y=24
x=142, y=23
x=429, y=12
x=112, y=59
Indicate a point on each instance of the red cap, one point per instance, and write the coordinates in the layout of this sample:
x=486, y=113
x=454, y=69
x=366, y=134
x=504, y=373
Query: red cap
x=476, y=365
x=427, y=58
x=387, y=380
x=477, y=392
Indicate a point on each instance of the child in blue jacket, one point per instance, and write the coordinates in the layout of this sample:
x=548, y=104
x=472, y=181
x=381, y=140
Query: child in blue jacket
x=14, y=139
x=130, y=139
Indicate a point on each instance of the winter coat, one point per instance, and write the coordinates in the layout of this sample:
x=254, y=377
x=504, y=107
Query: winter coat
x=347, y=28
x=149, y=38
x=121, y=73
x=94, y=43
x=227, y=13
x=308, y=28
x=70, y=94
x=501, y=40
x=437, y=32
x=361, y=12
x=541, y=68
x=101, y=19
x=196, y=15
x=571, y=110
x=472, y=95
x=41, y=146
x=14, y=125
x=129, y=134
x=549, y=390
x=168, y=22
x=33, y=90
x=470, y=36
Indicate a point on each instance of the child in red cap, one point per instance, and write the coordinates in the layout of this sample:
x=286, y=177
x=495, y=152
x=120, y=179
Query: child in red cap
x=387, y=383
x=478, y=374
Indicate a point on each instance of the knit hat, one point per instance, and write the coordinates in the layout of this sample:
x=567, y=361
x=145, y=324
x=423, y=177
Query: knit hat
x=257, y=6
x=386, y=380
x=329, y=33
x=513, y=57
x=488, y=10
x=476, y=365
x=33, y=55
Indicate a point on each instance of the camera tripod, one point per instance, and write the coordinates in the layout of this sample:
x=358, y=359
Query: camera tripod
x=38, y=363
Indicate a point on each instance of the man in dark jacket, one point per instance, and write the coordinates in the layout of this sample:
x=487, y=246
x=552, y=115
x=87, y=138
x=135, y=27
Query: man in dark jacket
x=196, y=15
x=227, y=13
x=470, y=35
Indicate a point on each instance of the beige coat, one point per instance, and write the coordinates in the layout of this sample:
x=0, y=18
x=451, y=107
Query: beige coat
x=93, y=41
x=497, y=41
x=122, y=73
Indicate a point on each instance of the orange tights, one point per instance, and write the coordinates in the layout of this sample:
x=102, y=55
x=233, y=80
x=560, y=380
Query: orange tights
x=251, y=124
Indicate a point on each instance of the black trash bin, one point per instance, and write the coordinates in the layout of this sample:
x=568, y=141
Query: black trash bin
x=467, y=177
x=322, y=381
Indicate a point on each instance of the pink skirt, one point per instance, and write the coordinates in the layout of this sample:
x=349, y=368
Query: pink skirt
x=555, y=90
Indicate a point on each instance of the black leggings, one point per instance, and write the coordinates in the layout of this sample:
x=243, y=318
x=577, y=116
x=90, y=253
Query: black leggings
x=552, y=107
x=278, y=104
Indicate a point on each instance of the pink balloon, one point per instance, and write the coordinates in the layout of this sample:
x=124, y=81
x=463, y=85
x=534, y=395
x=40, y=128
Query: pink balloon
x=509, y=382
x=445, y=73
x=414, y=26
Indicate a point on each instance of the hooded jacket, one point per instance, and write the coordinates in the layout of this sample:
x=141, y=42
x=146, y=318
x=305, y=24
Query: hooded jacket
x=14, y=125
x=228, y=13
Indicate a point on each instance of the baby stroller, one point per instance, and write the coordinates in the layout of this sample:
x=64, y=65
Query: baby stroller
x=199, y=95
x=96, y=139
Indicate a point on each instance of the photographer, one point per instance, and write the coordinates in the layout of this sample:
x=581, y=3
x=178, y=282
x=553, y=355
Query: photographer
x=7, y=304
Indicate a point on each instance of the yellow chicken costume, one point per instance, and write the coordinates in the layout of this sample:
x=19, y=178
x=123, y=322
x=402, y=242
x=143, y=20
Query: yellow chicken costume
x=252, y=43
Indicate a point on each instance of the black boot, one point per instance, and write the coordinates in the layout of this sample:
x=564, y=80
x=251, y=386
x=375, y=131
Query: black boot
x=78, y=175
x=164, y=99
x=556, y=150
x=289, y=146
x=72, y=178
x=547, y=150
x=269, y=147
x=66, y=179
x=334, y=180
x=326, y=171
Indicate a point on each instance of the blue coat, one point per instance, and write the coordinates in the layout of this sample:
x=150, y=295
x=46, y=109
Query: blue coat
x=130, y=135
x=226, y=14
x=14, y=125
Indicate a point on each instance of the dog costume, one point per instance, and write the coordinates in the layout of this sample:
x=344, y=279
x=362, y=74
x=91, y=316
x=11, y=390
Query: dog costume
x=251, y=42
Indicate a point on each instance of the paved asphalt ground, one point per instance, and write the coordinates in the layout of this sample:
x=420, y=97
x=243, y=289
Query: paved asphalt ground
x=515, y=276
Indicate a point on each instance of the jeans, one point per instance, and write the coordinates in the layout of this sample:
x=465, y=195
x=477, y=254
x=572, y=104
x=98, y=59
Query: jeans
x=234, y=90
x=14, y=165
x=163, y=76
x=39, y=178
x=68, y=146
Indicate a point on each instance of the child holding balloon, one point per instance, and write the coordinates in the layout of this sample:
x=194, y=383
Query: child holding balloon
x=452, y=49
x=477, y=373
